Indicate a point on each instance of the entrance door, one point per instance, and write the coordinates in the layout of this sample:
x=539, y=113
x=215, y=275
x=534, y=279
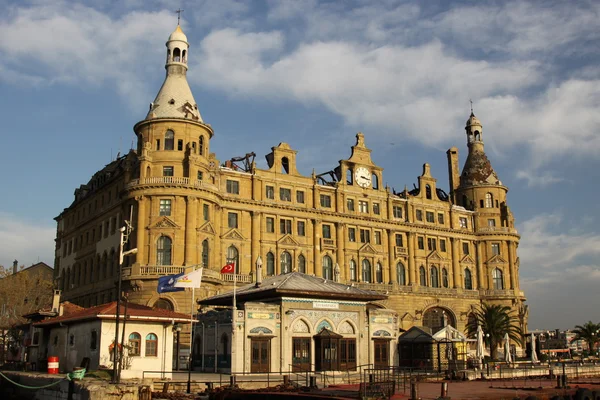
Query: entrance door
x=347, y=354
x=300, y=354
x=261, y=355
x=382, y=351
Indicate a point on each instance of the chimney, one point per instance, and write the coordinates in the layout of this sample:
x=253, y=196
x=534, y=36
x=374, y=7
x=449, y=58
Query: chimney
x=453, y=173
x=15, y=265
x=56, y=301
x=258, y=271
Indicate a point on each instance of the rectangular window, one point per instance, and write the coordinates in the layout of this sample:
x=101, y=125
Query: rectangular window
x=463, y=222
x=431, y=244
x=180, y=145
x=443, y=245
x=363, y=206
x=165, y=207
x=351, y=235
x=285, y=194
x=399, y=240
x=206, y=212
x=200, y=175
x=285, y=226
x=420, y=243
x=491, y=222
x=270, y=222
x=232, y=220
x=233, y=187
x=440, y=218
x=377, y=237
x=495, y=249
x=419, y=215
x=270, y=192
x=350, y=204
x=465, y=248
x=300, y=196
x=301, y=228
x=325, y=201
x=376, y=209
x=429, y=216
x=365, y=236
x=326, y=231
x=397, y=210
x=167, y=171
x=157, y=144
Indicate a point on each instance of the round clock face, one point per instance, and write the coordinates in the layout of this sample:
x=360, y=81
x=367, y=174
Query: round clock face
x=362, y=176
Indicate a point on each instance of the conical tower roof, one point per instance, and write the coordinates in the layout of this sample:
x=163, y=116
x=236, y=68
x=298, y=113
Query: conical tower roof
x=477, y=169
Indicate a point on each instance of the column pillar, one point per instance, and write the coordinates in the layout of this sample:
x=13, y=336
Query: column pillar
x=141, y=257
x=191, y=245
x=412, y=249
x=218, y=256
x=317, y=247
x=341, y=244
x=391, y=256
x=481, y=277
x=511, y=264
x=255, y=239
x=455, y=264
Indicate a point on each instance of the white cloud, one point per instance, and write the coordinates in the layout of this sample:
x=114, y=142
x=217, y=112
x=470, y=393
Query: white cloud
x=25, y=241
x=535, y=179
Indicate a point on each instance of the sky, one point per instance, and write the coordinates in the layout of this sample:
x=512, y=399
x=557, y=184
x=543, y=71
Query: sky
x=76, y=76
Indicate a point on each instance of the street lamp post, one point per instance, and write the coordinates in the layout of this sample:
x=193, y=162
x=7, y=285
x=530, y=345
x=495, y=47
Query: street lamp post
x=177, y=330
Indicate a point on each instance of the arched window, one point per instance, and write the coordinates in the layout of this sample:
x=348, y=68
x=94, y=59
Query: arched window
x=401, y=274
x=176, y=54
x=168, y=55
x=366, y=270
x=286, y=262
x=468, y=279
x=183, y=54
x=445, y=282
x=163, y=251
x=134, y=344
x=233, y=256
x=201, y=146
x=164, y=304
x=327, y=267
x=498, y=279
x=435, y=282
x=349, y=177
x=353, y=270
x=285, y=165
x=422, y=276
x=270, y=264
x=428, y=191
x=205, y=253
x=375, y=180
x=301, y=264
x=151, y=345
x=378, y=273
x=489, y=200
x=169, y=140
x=465, y=201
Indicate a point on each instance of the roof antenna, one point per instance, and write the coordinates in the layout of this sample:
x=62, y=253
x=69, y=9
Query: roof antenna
x=178, y=12
x=471, y=101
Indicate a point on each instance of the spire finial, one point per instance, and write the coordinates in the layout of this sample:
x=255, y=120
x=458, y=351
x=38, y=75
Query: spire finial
x=471, y=101
x=178, y=12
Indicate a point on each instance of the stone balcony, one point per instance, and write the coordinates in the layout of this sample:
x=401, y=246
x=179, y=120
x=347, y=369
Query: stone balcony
x=156, y=271
x=496, y=229
x=177, y=181
x=389, y=288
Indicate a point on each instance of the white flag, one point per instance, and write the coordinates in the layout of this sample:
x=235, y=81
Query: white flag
x=191, y=280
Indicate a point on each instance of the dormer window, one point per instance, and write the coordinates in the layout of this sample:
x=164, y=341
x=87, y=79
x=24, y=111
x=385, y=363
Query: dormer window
x=428, y=191
x=169, y=140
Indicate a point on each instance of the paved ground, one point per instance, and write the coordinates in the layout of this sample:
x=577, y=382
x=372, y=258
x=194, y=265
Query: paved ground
x=496, y=390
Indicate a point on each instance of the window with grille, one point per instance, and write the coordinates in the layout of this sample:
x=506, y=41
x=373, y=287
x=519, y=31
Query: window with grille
x=285, y=226
x=285, y=194
x=270, y=225
x=325, y=201
x=164, y=207
x=233, y=187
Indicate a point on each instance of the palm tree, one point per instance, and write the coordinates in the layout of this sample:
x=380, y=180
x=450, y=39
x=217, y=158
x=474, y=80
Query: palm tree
x=496, y=321
x=588, y=333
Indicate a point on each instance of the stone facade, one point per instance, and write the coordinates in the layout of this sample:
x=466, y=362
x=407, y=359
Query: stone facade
x=428, y=250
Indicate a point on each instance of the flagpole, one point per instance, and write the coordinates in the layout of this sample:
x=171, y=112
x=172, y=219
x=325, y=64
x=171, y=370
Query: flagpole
x=189, y=382
x=233, y=319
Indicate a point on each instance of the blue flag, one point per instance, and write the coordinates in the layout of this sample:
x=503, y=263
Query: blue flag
x=166, y=284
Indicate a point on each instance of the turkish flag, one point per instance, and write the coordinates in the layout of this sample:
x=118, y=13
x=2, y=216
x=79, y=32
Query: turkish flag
x=228, y=268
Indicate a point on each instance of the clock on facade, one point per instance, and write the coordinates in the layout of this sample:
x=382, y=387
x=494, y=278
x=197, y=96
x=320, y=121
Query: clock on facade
x=362, y=176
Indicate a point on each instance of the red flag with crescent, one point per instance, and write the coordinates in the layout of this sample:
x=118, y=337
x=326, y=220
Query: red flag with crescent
x=228, y=268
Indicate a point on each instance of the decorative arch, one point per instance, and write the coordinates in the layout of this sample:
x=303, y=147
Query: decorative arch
x=346, y=328
x=169, y=139
x=366, y=270
x=468, y=278
x=324, y=324
x=270, y=264
x=327, y=267
x=164, y=304
x=301, y=264
x=489, y=200
x=300, y=326
x=163, y=250
x=261, y=330
x=382, y=333
x=422, y=276
x=167, y=296
x=176, y=54
x=436, y=317
x=286, y=262
x=428, y=191
x=498, y=279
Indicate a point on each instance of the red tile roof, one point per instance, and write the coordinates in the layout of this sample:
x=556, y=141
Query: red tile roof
x=72, y=313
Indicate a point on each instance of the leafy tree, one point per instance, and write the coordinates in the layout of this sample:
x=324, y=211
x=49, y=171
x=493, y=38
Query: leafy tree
x=495, y=320
x=587, y=332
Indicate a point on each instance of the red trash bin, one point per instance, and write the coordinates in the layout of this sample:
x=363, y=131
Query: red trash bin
x=53, y=365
